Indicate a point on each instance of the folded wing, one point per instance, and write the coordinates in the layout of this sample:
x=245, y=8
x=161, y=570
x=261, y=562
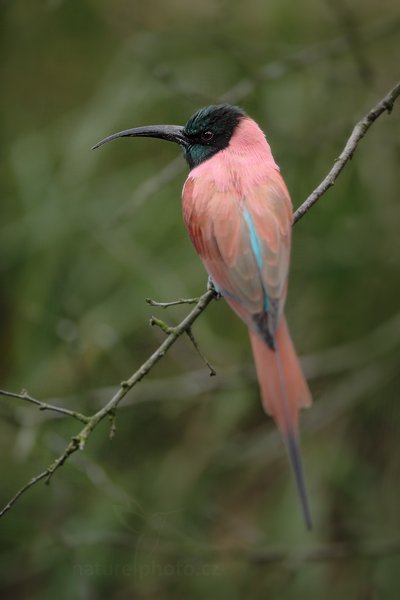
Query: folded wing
x=244, y=243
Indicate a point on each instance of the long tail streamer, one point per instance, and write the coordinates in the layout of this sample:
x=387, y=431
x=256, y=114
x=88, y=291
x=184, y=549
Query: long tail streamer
x=284, y=391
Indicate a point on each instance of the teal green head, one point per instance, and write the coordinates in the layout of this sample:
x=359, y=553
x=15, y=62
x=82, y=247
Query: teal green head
x=207, y=132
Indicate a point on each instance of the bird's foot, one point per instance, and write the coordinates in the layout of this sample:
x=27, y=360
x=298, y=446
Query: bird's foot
x=211, y=288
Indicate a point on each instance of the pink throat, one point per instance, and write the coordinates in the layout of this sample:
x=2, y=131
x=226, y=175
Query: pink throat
x=246, y=162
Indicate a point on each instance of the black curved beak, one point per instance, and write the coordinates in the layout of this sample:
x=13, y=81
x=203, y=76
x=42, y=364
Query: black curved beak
x=172, y=133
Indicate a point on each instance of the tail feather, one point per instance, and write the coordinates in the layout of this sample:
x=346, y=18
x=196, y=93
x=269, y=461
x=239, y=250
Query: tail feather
x=284, y=391
x=293, y=448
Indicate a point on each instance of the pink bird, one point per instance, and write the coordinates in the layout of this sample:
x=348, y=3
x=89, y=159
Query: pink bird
x=238, y=214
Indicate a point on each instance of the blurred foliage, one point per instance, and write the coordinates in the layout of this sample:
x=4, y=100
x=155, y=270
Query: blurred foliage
x=195, y=479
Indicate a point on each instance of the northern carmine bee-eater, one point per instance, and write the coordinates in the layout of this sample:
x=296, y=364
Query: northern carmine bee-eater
x=238, y=214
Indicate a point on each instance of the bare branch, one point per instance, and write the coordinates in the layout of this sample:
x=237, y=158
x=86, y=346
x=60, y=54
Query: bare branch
x=173, y=333
x=195, y=344
x=24, y=489
x=167, y=329
x=72, y=446
x=161, y=324
x=173, y=303
x=44, y=406
x=386, y=104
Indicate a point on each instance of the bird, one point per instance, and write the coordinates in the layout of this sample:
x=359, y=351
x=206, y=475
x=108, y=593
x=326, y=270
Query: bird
x=238, y=214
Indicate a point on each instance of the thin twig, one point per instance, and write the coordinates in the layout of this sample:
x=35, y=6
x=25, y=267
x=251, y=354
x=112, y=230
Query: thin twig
x=112, y=415
x=161, y=324
x=359, y=131
x=173, y=303
x=195, y=344
x=24, y=489
x=167, y=329
x=78, y=441
x=44, y=406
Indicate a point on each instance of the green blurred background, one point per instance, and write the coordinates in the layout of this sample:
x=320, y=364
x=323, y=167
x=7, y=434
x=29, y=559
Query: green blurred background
x=194, y=492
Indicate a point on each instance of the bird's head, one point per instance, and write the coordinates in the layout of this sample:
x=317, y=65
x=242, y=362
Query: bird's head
x=207, y=132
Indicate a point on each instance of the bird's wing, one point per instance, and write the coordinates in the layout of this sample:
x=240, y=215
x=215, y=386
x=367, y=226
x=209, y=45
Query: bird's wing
x=270, y=209
x=244, y=242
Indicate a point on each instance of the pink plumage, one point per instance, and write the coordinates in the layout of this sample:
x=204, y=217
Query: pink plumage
x=238, y=213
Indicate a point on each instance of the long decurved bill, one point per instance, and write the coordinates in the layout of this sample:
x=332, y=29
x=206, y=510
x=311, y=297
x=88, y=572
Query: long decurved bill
x=172, y=133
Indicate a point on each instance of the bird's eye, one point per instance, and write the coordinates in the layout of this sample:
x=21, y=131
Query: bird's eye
x=207, y=136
